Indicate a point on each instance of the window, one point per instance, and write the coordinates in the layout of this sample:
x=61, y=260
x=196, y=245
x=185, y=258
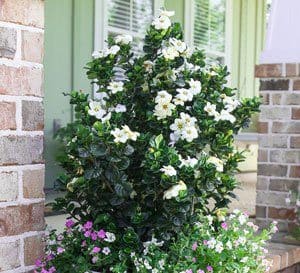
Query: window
x=131, y=17
x=206, y=20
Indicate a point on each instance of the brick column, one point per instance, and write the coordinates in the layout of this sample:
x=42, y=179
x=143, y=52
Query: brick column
x=21, y=134
x=279, y=142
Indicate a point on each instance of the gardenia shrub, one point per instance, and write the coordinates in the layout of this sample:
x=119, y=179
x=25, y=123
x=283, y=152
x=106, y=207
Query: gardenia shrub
x=155, y=145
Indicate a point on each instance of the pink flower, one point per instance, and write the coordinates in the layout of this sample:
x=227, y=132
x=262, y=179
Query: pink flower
x=101, y=234
x=209, y=268
x=52, y=269
x=200, y=271
x=44, y=271
x=87, y=234
x=60, y=237
x=88, y=225
x=95, y=259
x=205, y=242
x=224, y=225
x=83, y=244
x=194, y=259
x=189, y=271
x=38, y=263
x=69, y=223
x=60, y=250
x=94, y=236
x=194, y=246
x=96, y=249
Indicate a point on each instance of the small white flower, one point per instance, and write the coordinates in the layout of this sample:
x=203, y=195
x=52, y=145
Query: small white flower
x=123, y=39
x=120, y=135
x=188, y=120
x=178, y=125
x=211, y=243
x=174, y=190
x=184, y=94
x=218, y=163
x=179, y=45
x=113, y=50
x=97, y=54
x=219, y=247
x=210, y=219
x=106, y=118
x=189, y=162
x=110, y=237
x=170, y=53
x=115, y=87
x=229, y=245
x=225, y=115
x=169, y=170
x=162, y=22
x=120, y=108
x=242, y=219
x=230, y=103
x=130, y=134
x=163, y=110
x=189, y=133
x=210, y=109
x=195, y=86
x=96, y=109
x=163, y=96
x=106, y=250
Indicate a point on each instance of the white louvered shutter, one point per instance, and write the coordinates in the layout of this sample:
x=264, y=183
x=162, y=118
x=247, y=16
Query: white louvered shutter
x=131, y=17
x=209, y=28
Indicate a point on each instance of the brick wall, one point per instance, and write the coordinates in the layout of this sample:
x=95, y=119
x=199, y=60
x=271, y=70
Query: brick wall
x=279, y=142
x=21, y=134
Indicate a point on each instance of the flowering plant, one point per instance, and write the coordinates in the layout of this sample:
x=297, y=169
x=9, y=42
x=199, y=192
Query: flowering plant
x=156, y=144
x=78, y=249
x=232, y=245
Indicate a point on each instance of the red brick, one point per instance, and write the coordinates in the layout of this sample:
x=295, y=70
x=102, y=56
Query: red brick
x=295, y=142
x=32, y=115
x=295, y=113
x=33, y=183
x=296, y=85
x=262, y=127
x=281, y=213
x=286, y=127
x=274, y=85
x=9, y=255
x=8, y=42
x=7, y=115
x=295, y=171
x=25, y=12
x=21, y=81
x=272, y=170
x=19, y=219
x=33, y=249
x=291, y=70
x=268, y=70
x=32, y=46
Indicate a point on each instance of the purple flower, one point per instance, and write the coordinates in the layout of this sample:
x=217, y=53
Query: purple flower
x=101, y=234
x=87, y=234
x=209, y=268
x=88, y=225
x=189, y=271
x=83, y=244
x=94, y=236
x=60, y=250
x=200, y=271
x=95, y=259
x=194, y=246
x=205, y=242
x=52, y=269
x=96, y=249
x=69, y=223
x=38, y=263
x=224, y=225
x=49, y=257
x=44, y=271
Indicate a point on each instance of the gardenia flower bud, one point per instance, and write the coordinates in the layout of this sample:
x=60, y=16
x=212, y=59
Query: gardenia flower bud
x=123, y=39
x=169, y=170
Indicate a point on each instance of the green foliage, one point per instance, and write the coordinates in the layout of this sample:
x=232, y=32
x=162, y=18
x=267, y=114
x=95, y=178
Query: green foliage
x=119, y=173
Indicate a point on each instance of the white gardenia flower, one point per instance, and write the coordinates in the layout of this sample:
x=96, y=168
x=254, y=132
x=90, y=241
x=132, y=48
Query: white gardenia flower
x=179, y=45
x=188, y=120
x=130, y=134
x=110, y=237
x=184, y=94
x=163, y=110
x=163, y=96
x=96, y=109
x=210, y=109
x=123, y=39
x=189, y=133
x=106, y=118
x=170, y=53
x=189, y=162
x=113, y=50
x=115, y=87
x=225, y=115
x=120, y=108
x=230, y=103
x=169, y=170
x=120, y=135
x=217, y=162
x=163, y=12
x=97, y=54
x=178, y=101
x=195, y=86
x=162, y=22
x=219, y=247
x=178, y=125
x=175, y=190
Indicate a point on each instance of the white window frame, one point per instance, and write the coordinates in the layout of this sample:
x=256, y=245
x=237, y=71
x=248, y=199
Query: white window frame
x=189, y=27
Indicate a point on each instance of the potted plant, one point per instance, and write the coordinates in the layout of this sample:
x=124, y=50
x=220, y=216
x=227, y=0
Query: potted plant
x=155, y=147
